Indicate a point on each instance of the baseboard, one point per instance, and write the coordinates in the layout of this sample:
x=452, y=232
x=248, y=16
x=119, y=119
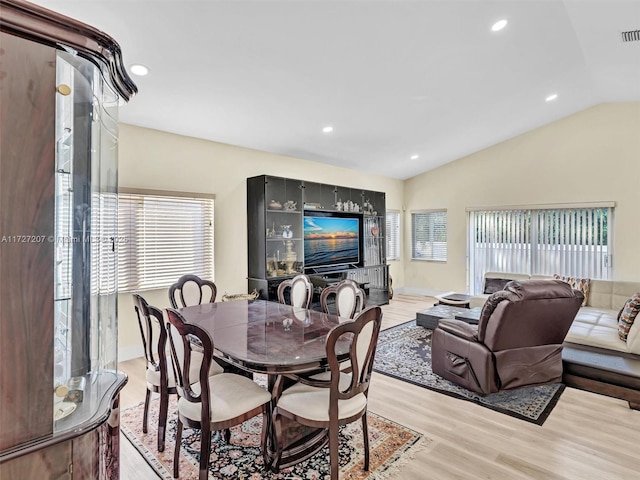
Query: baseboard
x=129, y=353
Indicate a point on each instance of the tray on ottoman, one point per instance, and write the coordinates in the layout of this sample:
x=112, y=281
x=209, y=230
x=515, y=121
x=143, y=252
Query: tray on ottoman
x=430, y=317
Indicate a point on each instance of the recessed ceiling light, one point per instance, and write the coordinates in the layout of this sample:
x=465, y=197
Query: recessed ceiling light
x=327, y=129
x=414, y=157
x=551, y=97
x=139, y=70
x=499, y=25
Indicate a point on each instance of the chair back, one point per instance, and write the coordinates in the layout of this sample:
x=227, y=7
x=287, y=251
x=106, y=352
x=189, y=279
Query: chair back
x=362, y=333
x=154, y=336
x=300, y=293
x=192, y=290
x=349, y=298
x=191, y=352
x=528, y=313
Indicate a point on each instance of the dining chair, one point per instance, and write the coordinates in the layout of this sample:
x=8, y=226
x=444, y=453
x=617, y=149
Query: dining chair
x=158, y=379
x=349, y=298
x=333, y=398
x=192, y=290
x=300, y=291
x=213, y=403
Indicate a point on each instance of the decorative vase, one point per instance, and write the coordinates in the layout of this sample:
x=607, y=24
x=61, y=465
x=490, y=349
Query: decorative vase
x=290, y=257
x=286, y=231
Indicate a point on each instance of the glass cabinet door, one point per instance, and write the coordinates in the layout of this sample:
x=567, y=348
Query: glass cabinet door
x=85, y=340
x=284, y=247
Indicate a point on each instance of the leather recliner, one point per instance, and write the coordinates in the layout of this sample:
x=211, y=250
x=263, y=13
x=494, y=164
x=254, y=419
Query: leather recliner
x=517, y=342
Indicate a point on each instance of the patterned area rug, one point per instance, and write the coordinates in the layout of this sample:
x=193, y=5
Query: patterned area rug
x=404, y=352
x=391, y=446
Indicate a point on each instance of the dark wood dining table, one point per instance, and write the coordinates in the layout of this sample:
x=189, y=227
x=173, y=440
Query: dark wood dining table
x=273, y=339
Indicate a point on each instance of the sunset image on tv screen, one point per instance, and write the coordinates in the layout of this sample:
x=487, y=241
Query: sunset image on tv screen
x=331, y=240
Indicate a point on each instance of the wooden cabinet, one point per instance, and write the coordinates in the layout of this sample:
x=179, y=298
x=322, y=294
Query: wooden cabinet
x=279, y=212
x=60, y=85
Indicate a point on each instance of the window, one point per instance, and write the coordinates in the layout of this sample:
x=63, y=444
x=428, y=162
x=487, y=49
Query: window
x=570, y=241
x=429, y=235
x=393, y=235
x=162, y=237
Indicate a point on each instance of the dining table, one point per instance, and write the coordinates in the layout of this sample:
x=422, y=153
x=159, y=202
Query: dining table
x=276, y=340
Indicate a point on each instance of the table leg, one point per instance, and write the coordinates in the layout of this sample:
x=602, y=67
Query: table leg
x=268, y=432
x=299, y=442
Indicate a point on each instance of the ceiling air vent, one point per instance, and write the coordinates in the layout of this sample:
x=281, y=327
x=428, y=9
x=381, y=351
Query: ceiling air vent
x=631, y=36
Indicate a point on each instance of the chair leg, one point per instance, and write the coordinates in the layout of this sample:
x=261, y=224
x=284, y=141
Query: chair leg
x=334, y=458
x=205, y=451
x=147, y=398
x=176, y=452
x=365, y=437
x=162, y=419
x=226, y=434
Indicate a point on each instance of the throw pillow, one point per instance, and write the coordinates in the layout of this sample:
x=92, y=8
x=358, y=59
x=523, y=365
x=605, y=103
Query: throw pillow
x=493, y=285
x=581, y=284
x=628, y=315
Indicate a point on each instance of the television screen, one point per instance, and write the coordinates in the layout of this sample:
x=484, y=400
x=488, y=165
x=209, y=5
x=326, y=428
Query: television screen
x=331, y=239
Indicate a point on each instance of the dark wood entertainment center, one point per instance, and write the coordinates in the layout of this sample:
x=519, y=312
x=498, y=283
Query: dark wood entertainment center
x=276, y=209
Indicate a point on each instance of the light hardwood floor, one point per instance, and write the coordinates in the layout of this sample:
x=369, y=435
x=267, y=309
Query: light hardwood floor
x=587, y=436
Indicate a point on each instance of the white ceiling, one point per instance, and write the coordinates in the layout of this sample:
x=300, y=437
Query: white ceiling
x=394, y=78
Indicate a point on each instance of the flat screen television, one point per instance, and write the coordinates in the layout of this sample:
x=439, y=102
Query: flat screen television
x=332, y=239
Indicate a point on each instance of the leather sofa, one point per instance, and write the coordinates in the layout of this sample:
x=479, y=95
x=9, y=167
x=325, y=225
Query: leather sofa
x=594, y=357
x=517, y=342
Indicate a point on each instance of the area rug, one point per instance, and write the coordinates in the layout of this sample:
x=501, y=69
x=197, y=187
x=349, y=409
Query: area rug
x=404, y=352
x=391, y=446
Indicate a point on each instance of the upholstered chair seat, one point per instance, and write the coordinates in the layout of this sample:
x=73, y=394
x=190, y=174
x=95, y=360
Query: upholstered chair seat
x=232, y=396
x=312, y=402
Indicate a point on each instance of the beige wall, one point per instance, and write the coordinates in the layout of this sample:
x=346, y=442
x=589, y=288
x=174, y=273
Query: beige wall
x=591, y=156
x=158, y=160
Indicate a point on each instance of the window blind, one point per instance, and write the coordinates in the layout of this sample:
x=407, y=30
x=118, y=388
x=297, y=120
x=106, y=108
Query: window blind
x=103, y=244
x=429, y=235
x=162, y=237
x=393, y=235
x=567, y=241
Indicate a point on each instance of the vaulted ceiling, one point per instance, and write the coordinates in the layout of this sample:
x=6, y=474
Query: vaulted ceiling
x=394, y=79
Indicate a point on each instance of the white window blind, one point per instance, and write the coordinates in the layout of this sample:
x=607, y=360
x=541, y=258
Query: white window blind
x=103, y=243
x=429, y=235
x=567, y=241
x=393, y=235
x=161, y=238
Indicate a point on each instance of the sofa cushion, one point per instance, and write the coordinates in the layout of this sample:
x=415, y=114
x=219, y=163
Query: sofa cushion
x=581, y=284
x=596, y=327
x=628, y=315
